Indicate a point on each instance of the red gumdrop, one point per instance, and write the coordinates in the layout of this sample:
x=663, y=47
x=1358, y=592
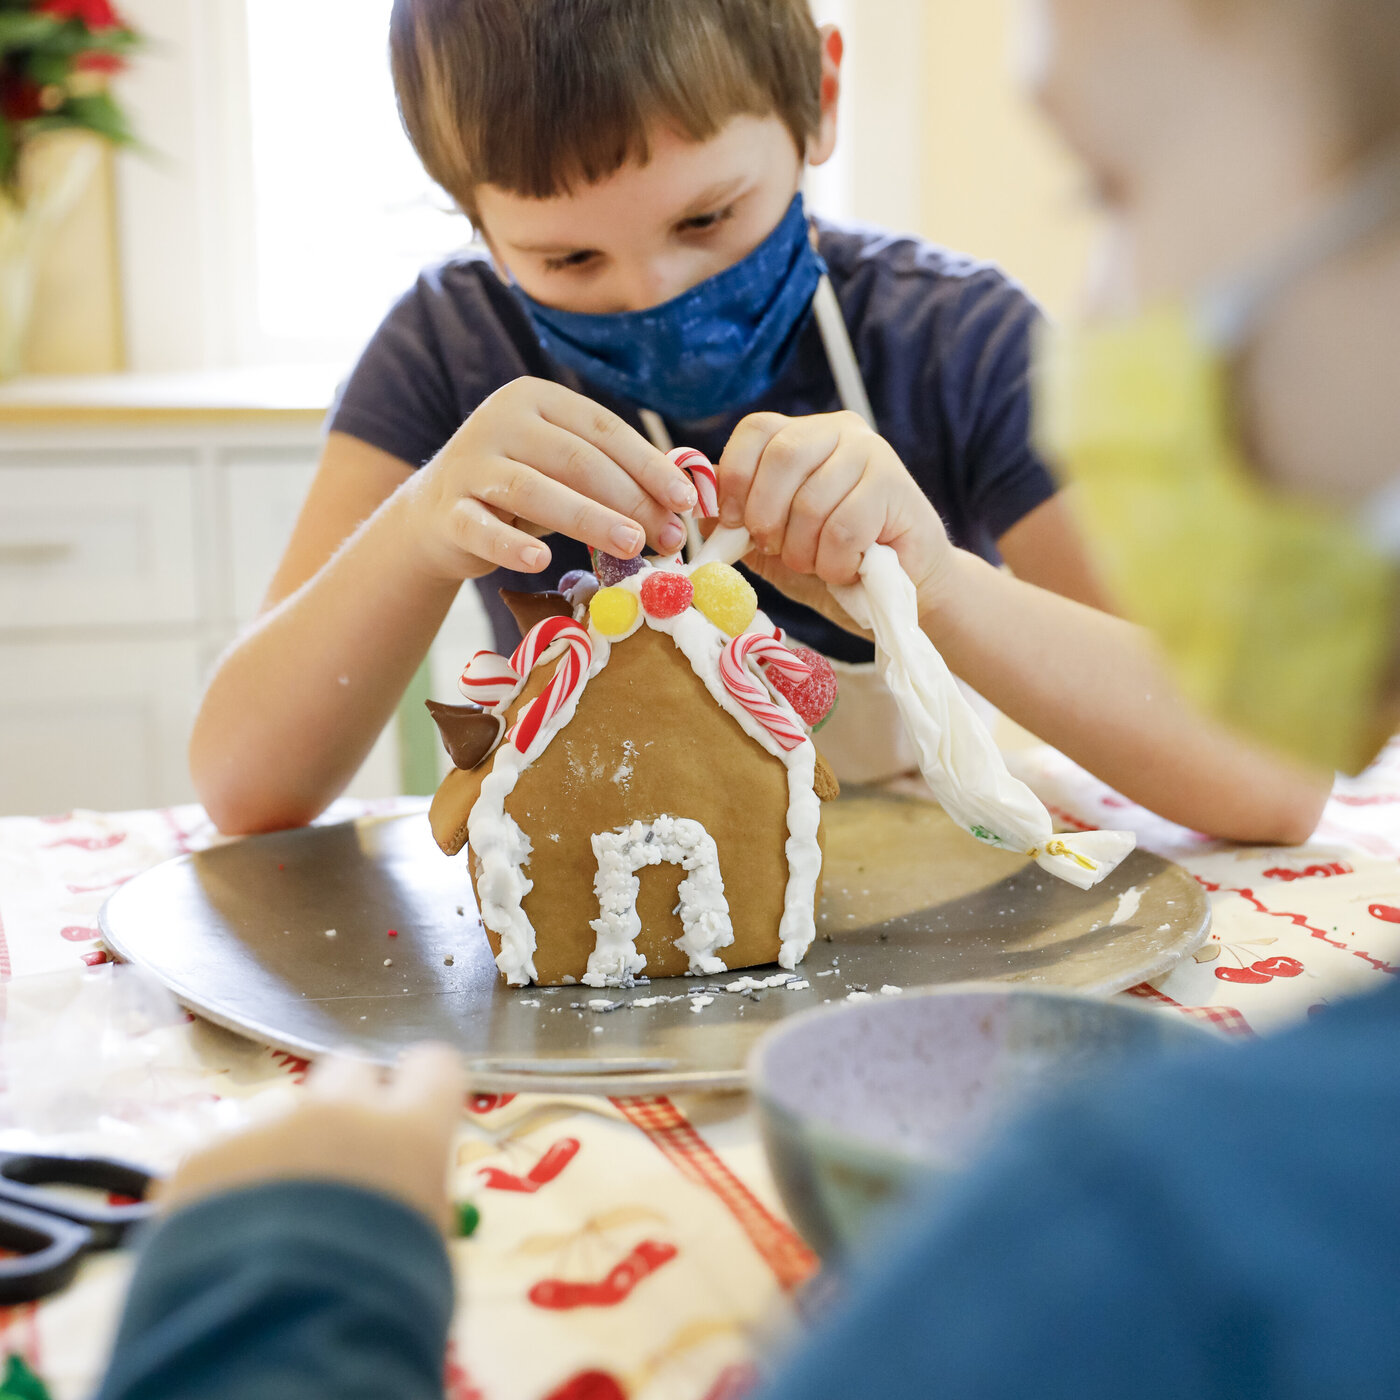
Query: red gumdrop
x=1388, y=912
x=1242, y=974
x=1278, y=967
x=666, y=594
x=814, y=695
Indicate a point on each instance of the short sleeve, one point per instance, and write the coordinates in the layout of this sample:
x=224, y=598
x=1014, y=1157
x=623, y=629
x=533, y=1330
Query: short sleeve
x=448, y=343
x=987, y=390
x=398, y=397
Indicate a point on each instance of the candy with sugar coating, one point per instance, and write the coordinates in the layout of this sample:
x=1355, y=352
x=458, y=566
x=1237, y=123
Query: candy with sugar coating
x=612, y=570
x=725, y=596
x=613, y=611
x=814, y=695
x=665, y=594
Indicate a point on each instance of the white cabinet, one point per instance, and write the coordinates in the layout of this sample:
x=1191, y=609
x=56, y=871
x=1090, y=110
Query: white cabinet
x=140, y=523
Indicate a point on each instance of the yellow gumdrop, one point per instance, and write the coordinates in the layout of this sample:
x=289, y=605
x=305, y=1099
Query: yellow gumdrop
x=612, y=611
x=725, y=596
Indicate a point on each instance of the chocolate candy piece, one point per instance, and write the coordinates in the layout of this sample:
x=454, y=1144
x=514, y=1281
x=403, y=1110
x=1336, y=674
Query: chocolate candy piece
x=468, y=734
x=530, y=608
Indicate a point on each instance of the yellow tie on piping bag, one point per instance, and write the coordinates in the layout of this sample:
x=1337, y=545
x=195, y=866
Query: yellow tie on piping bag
x=1276, y=614
x=957, y=756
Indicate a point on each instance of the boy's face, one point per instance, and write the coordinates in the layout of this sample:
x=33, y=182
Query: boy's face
x=648, y=232
x=1204, y=128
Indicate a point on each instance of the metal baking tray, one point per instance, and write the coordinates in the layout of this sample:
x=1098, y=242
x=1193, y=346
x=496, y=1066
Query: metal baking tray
x=239, y=935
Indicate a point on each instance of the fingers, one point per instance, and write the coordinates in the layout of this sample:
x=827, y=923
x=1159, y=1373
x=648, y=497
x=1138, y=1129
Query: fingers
x=816, y=500
x=738, y=463
x=620, y=443
x=573, y=460
x=518, y=490
x=430, y=1079
x=849, y=530
x=343, y=1077
x=480, y=531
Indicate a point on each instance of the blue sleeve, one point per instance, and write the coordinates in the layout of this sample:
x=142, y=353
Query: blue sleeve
x=453, y=339
x=986, y=392
x=302, y=1290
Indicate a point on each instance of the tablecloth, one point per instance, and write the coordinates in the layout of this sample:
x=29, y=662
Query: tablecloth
x=629, y=1247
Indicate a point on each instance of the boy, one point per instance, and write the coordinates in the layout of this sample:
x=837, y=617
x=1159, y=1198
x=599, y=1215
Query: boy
x=634, y=168
x=1226, y=1225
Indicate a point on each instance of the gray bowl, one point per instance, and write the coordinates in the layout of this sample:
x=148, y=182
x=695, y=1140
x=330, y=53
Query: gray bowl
x=863, y=1102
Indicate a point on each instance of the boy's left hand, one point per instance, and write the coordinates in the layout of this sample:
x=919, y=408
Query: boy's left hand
x=815, y=493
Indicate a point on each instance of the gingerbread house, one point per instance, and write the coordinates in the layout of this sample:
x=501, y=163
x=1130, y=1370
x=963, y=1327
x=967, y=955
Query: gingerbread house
x=637, y=788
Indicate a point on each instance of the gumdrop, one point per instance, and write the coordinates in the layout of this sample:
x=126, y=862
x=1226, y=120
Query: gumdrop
x=613, y=611
x=612, y=570
x=814, y=696
x=578, y=586
x=725, y=596
x=666, y=594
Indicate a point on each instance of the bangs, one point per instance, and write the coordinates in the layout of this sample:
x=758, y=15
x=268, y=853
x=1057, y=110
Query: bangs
x=537, y=96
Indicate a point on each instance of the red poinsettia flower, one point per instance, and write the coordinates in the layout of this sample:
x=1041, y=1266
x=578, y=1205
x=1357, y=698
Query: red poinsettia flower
x=95, y=61
x=96, y=14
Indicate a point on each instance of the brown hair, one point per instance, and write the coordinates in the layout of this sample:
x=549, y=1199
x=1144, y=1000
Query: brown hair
x=535, y=95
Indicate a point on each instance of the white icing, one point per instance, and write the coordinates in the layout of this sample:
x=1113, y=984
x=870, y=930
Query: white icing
x=501, y=849
x=1128, y=903
x=957, y=756
x=703, y=908
x=757, y=984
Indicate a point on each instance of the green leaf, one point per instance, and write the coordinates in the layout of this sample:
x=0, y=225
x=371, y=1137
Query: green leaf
x=22, y=29
x=98, y=113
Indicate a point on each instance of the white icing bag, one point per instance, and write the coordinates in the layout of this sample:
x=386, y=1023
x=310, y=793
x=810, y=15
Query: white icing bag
x=957, y=756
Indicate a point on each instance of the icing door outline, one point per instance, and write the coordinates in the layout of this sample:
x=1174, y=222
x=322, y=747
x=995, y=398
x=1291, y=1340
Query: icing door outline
x=703, y=909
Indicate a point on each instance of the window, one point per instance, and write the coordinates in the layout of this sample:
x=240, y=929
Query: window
x=286, y=211
x=343, y=215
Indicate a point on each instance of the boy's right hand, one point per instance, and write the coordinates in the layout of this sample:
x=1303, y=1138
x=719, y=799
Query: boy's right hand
x=390, y=1136
x=536, y=458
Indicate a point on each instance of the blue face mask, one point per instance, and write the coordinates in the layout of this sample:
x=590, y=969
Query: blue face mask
x=714, y=348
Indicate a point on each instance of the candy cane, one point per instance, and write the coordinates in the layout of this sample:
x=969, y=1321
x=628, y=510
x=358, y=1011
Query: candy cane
x=702, y=475
x=568, y=675
x=755, y=698
x=489, y=679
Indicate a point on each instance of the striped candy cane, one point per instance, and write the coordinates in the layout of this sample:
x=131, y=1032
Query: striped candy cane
x=702, y=474
x=753, y=696
x=568, y=675
x=489, y=679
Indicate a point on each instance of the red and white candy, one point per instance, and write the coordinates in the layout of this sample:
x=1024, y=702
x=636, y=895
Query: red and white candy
x=567, y=679
x=491, y=679
x=702, y=476
x=752, y=694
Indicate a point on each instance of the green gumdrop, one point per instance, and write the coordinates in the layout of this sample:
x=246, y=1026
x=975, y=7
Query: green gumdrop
x=468, y=1218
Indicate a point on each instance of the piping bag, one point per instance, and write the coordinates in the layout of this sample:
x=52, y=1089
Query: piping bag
x=957, y=756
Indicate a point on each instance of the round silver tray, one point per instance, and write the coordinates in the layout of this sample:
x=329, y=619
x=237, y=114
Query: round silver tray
x=239, y=935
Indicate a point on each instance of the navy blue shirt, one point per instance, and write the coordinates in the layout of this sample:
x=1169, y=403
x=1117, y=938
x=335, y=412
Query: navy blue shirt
x=942, y=340
x=1223, y=1226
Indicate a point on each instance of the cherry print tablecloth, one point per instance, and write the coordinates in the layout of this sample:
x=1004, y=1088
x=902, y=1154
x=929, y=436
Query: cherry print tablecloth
x=627, y=1248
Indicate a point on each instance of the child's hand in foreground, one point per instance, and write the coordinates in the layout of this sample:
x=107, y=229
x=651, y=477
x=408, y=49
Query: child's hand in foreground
x=815, y=493
x=391, y=1135
x=536, y=458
